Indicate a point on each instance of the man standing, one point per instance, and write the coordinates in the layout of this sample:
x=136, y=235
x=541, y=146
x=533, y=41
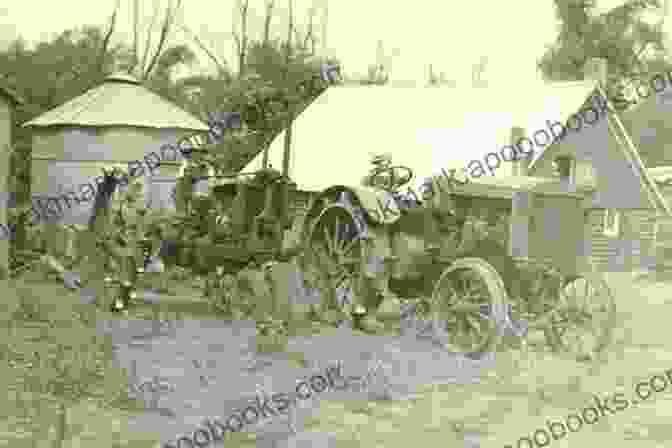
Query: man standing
x=115, y=231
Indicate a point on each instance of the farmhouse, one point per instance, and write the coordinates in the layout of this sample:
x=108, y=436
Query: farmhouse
x=627, y=205
x=8, y=101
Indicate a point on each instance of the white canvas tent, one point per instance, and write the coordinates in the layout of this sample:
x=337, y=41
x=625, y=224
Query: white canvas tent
x=425, y=128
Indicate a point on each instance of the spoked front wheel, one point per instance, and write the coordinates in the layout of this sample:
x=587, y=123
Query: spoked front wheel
x=468, y=305
x=335, y=256
x=583, y=319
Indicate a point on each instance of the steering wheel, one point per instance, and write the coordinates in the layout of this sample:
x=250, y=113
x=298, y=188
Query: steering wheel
x=394, y=180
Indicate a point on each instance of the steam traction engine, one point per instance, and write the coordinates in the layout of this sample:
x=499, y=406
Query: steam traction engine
x=477, y=259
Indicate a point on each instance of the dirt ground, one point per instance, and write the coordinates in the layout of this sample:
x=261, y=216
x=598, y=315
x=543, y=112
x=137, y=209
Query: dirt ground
x=521, y=393
x=437, y=399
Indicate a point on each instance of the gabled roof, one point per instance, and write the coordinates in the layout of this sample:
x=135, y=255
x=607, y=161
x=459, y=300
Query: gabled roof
x=649, y=127
x=591, y=99
x=120, y=101
x=425, y=128
x=625, y=143
x=620, y=132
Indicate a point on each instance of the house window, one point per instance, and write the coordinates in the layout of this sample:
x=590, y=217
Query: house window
x=565, y=167
x=612, y=220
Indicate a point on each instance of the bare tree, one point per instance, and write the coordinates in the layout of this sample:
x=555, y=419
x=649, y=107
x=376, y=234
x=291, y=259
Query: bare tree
x=241, y=38
x=148, y=40
x=267, y=21
x=290, y=29
x=136, y=26
x=144, y=68
x=308, y=41
x=221, y=66
x=106, y=40
x=165, y=30
x=325, y=20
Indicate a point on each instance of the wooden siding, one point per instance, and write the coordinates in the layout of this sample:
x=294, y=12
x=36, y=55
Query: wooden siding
x=617, y=183
x=632, y=249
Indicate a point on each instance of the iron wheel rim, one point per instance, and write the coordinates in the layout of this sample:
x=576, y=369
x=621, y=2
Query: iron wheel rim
x=335, y=253
x=582, y=321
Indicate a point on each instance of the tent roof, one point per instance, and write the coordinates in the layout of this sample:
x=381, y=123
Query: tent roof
x=425, y=128
x=120, y=101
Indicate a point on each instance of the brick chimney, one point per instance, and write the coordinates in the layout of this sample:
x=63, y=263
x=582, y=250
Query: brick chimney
x=522, y=163
x=595, y=69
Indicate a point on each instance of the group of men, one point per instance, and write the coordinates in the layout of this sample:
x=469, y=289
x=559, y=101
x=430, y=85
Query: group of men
x=116, y=246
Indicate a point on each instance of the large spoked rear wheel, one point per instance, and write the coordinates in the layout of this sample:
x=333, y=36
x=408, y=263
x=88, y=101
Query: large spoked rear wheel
x=468, y=306
x=583, y=320
x=334, y=257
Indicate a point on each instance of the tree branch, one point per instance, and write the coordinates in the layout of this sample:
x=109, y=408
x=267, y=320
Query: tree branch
x=148, y=41
x=290, y=28
x=267, y=20
x=136, y=7
x=242, y=42
x=221, y=66
x=106, y=40
x=236, y=40
x=310, y=36
x=165, y=29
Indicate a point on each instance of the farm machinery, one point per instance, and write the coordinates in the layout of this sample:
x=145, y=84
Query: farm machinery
x=473, y=259
x=241, y=221
x=477, y=260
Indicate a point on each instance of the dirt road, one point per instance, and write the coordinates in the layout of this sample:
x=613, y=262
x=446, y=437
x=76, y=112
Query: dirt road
x=438, y=399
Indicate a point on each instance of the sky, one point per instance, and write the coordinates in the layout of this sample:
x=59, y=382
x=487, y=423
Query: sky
x=511, y=35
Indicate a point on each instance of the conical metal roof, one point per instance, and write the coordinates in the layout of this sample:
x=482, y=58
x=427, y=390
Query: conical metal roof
x=121, y=100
